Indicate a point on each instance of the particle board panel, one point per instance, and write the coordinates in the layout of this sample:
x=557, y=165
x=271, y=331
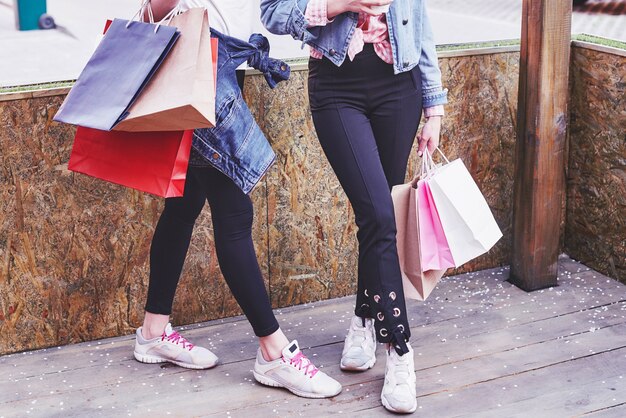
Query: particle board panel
x=596, y=176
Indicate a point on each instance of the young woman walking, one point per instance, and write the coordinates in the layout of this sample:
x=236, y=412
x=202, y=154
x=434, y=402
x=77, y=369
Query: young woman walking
x=279, y=363
x=373, y=68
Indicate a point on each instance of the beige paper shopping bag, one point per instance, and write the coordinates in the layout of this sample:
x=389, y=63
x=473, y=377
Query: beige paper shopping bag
x=181, y=94
x=417, y=284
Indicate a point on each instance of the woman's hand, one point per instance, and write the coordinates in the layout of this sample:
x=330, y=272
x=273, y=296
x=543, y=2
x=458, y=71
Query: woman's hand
x=429, y=137
x=160, y=8
x=337, y=7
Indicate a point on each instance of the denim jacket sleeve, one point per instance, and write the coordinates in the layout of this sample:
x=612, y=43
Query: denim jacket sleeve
x=285, y=17
x=433, y=93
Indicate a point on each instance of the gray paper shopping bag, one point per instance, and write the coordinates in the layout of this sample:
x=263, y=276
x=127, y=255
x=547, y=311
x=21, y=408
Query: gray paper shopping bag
x=123, y=63
x=181, y=95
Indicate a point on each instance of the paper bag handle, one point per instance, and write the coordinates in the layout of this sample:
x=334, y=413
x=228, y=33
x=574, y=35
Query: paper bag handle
x=147, y=6
x=428, y=164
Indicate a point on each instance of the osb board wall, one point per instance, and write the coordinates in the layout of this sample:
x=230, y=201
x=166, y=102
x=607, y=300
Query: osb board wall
x=596, y=180
x=74, y=251
x=313, y=250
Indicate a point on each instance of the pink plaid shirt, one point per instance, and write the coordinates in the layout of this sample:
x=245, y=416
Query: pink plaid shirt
x=370, y=29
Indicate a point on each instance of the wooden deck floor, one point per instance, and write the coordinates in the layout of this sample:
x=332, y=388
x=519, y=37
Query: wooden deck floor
x=482, y=348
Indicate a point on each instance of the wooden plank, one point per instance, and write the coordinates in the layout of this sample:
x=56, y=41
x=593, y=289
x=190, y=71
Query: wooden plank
x=586, y=285
x=541, y=138
x=564, y=389
x=29, y=94
x=559, y=388
x=465, y=294
x=330, y=321
x=454, y=53
x=600, y=48
x=501, y=306
x=328, y=355
x=613, y=411
x=457, y=379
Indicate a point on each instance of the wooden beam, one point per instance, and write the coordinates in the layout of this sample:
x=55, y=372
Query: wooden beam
x=541, y=140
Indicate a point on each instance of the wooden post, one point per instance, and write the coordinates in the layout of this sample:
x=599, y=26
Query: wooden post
x=541, y=139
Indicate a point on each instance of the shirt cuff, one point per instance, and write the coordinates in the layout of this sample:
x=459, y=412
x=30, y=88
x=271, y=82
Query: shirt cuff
x=434, y=111
x=316, y=13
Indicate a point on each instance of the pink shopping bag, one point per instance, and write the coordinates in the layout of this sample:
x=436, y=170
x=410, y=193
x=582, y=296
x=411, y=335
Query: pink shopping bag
x=416, y=282
x=434, y=249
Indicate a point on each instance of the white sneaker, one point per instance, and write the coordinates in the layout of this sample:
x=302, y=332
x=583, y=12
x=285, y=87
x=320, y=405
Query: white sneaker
x=399, y=393
x=294, y=372
x=359, y=349
x=174, y=348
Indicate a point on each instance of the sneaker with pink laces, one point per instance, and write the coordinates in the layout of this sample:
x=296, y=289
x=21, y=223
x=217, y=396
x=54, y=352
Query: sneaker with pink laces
x=294, y=372
x=174, y=348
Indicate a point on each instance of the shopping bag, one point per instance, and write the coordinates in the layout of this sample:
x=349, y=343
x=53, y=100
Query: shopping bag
x=467, y=221
x=434, y=249
x=123, y=63
x=153, y=162
x=417, y=284
x=181, y=94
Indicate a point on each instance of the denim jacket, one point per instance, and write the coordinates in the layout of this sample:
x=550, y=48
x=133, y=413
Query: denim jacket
x=410, y=35
x=236, y=145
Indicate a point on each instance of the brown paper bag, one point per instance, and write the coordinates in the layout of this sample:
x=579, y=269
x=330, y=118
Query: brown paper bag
x=181, y=94
x=417, y=284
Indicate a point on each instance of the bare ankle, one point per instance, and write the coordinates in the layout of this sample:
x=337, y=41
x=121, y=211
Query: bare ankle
x=154, y=325
x=152, y=332
x=272, y=345
x=270, y=355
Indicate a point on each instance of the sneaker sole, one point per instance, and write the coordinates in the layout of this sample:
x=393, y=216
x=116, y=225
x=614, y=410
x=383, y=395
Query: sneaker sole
x=362, y=368
x=390, y=408
x=148, y=359
x=268, y=381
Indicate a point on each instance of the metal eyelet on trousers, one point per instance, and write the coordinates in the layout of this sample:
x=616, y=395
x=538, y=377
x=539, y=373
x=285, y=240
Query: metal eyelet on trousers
x=383, y=334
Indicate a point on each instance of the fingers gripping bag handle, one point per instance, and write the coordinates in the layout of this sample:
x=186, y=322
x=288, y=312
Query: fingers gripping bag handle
x=146, y=9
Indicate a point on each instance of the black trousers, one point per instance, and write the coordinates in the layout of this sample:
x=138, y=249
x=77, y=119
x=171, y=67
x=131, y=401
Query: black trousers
x=366, y=119
x=232, y=213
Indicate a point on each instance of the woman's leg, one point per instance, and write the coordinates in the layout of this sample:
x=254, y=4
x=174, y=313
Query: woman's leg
x=279, y=363
x=167, y=254
x=395, y=119
x=366, y=119
x=342, y=102
x=232, y=215
x=156, y=341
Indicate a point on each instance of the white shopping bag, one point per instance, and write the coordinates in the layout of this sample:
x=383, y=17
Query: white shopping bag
x=467, y=221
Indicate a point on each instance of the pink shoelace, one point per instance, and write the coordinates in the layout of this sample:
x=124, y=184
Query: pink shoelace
x=302, y=363
x=176, y=338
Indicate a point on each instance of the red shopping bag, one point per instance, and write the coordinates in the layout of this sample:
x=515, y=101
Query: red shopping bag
x=153, y=162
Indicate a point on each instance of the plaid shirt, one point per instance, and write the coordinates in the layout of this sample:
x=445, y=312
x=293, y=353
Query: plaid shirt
x=370, y=29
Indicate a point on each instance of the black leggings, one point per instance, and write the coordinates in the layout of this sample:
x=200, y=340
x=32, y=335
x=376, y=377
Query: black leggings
x=231, y=212
x=366, y=119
